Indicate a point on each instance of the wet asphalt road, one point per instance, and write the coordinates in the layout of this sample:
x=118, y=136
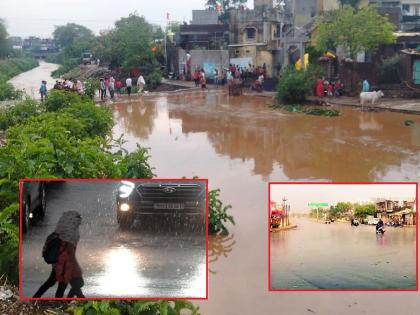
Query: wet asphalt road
x=339, y=256
x=146, y=261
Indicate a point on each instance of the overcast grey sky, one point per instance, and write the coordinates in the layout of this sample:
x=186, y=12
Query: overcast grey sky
x=300, y=195
x=30, y=17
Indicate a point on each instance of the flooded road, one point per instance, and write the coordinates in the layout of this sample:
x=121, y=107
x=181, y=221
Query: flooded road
x=339, y=256
x=140, y=262
x=240, y=144
x=30, y=81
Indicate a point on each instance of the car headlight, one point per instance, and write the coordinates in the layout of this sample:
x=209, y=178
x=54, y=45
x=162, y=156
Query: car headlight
x=126, y=189
x=124, y=207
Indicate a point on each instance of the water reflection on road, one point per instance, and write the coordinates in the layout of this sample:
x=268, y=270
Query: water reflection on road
x=339, y=256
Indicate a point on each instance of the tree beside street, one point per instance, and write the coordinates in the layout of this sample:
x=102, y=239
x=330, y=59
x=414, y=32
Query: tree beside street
x=4, y=42
x=356, y=30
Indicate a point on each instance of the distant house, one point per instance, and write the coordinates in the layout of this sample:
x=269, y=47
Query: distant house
x=400, y=211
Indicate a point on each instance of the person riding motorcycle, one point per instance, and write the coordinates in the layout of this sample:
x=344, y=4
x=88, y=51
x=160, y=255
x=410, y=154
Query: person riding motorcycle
x=380, y=225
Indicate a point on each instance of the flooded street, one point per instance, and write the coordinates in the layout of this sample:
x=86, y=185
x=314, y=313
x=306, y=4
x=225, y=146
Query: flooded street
x=339, y=256
x=30, y=81
x=240, y=144
x=140, y=262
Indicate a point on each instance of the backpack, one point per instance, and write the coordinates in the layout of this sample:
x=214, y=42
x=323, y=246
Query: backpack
x=51, y=249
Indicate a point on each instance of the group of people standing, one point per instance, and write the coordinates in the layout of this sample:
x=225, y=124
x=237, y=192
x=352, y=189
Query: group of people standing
x=325, y=87
x=113, y=85
x=69, y=85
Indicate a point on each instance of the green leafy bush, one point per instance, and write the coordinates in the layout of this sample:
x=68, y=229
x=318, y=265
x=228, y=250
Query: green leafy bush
x=61, y=99
x=294, y=86
x=134, y=308
x=91, y=86
x=8, y=92
x=218, y=213
x=65, y=67
x=18, y=113
x=97, y=120
x=153, y=79
x=14, y=66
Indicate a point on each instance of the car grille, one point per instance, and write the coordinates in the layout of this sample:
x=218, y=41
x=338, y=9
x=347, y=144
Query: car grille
x=161, y=193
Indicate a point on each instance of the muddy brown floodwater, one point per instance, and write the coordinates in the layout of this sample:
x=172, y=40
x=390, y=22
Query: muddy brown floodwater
x=240, y=144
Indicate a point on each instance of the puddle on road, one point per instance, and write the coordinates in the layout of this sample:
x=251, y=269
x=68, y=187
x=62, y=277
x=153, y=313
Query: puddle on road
x=240, y=144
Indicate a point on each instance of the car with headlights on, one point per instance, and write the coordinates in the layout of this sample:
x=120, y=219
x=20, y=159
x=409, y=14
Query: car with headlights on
x=34, y=202
x=159, y=199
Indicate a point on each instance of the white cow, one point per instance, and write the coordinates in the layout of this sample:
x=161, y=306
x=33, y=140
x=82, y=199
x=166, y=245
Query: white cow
x=370, y=97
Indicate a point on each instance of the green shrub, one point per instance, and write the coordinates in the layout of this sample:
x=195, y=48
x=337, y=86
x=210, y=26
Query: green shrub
x=134, y=308
x=18, y=113
x=8, y=92
x=218, y=213
x=294, y=86
x=65, y=67
x=153, y=79
x=97, y=120
x=58, y=99
x=91, y=86
x=14, y=66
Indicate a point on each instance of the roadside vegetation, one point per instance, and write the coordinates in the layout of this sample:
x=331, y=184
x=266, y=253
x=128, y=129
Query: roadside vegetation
x=11, y=64
x=344, y=210
x=128, y=48
x=218, y=214
x=368, y=28
x=10, y=68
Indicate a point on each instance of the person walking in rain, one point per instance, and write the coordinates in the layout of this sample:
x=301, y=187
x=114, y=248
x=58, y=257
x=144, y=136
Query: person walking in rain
x=66, y=269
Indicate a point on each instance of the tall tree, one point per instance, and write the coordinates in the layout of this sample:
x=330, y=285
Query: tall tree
x=362, y=30
x=68, y=34
x=4, y=42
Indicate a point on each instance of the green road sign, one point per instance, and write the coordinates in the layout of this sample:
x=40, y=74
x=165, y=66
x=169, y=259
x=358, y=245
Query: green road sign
x=318, y=204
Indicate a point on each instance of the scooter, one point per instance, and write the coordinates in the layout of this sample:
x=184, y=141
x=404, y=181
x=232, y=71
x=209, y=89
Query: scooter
x=380, y=230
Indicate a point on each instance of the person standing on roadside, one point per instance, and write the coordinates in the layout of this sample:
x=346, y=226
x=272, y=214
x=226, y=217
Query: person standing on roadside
x=102, y=89
x=111, y=87
x=118, y=86
x=141, y=83
x=128, y=85
x=43, y=90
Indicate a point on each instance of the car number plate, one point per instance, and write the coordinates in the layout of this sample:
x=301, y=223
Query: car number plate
x=168, y=206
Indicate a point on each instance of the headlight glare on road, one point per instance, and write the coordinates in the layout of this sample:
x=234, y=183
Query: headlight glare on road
x=125, y=189
x=124, y=207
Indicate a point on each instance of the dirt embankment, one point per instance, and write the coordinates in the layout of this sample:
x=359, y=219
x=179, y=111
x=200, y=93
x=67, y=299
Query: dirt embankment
x=84, y=72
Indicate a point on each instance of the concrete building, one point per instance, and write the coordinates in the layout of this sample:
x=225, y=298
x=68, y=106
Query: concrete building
x=268, y=34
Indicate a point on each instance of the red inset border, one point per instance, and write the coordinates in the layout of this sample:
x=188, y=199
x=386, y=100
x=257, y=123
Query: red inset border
x=111, y=180
x=270, y=289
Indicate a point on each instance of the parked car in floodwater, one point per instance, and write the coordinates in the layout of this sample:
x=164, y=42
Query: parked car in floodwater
x=34, y=202
x=159, y=199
